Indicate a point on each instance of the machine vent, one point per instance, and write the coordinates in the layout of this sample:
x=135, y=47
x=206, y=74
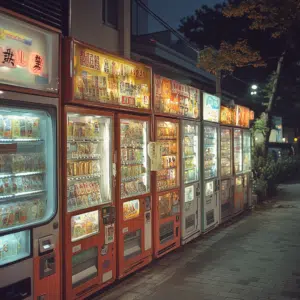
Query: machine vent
x=166, y=232
x=49, y=12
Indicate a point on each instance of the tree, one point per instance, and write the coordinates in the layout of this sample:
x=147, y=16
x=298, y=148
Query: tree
x=280, y=19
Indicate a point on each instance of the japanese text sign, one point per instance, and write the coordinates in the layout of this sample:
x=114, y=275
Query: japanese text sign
x=211, y=108
x=174, y=98
x=105, y=78
x=242, y=116
x=28, y=55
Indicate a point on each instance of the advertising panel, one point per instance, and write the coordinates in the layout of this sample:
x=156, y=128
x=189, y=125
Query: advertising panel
x=242, y=116
x=211, y=108
x=174, y=98
x=109, y=79
x=28, y=55
x=227, y=116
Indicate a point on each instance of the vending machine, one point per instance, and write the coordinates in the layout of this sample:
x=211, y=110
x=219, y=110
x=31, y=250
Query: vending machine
x=191, y=192
x=134, y=216
x=167, y=188
x=29, y=164
x=107, y=188
x=247, y=167
x=226, y=161
x=89, y=221
x=190, y=165
x=210, y=162
x=238, y=169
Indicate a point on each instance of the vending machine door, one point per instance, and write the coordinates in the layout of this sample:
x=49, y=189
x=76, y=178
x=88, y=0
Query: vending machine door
x=191, y=197
x=246, y=151
x=134, y=199
x=238, y=150
x=211, y=188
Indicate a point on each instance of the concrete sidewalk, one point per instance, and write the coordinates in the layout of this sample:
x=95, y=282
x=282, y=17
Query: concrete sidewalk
x=258, y=257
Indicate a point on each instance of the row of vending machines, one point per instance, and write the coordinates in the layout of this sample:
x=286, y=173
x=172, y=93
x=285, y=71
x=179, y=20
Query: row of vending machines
x=118, y=167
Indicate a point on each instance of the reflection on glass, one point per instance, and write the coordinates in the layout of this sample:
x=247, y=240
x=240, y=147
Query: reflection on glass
x=210, y=152
x=246, y=151
x=167, y=134
x=189, y=194
x=84, y=225
x=88, y=156
x=14, y=246
x=238, y=150
x=135, y=170
x=226, y=169
x=27, y=167
x=131, y=209
x=190, y=153
x=168, y=204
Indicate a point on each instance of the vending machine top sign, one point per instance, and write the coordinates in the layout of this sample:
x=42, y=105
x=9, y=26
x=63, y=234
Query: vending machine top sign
x=227, y=116
x=211, y=108
x=176, y=99
x=107, y=79
x=242, y=116
x=29, y=55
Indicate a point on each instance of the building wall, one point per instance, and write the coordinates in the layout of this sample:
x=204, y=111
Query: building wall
x=86, y=25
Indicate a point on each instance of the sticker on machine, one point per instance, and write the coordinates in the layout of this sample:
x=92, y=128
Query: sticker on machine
x=125, y=229
x=109, y=233
x=76, y=248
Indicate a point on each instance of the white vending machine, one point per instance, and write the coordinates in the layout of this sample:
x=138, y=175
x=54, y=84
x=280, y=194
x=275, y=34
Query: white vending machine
x=191, y=192
x=210, y=162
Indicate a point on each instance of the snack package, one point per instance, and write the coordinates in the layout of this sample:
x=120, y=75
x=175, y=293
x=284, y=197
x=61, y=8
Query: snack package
x=22, y=128
x=7, y=128
x=1, y=187
x=36, y=128
x=16, y=130
x=28, y=127
x=1, y=127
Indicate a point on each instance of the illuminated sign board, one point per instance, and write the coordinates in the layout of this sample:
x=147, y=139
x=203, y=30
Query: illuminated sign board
x=211, y=108
x=29, y=55
x=104, y=78
x=174, y=98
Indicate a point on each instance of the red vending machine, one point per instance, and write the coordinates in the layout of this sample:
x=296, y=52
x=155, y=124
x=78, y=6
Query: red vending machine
x=167, y=180
x=134, y=194
x=29, y=164
x=105, y=169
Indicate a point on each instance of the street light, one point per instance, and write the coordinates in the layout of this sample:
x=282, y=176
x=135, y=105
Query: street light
x=254, y=87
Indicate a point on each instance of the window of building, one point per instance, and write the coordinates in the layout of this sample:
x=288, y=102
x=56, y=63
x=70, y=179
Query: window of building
x=110, y=12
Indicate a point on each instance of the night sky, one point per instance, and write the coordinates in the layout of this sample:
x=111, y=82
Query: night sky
x=172, y=11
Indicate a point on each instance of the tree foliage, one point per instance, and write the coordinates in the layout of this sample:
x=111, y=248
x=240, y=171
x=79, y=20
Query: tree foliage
x=229, y=57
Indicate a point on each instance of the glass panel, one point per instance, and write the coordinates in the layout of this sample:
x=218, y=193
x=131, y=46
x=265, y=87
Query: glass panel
x=84, y=266
x=168, y=205
x=28, y=55
x=88, y=159
x=210, y=152
x=131, y=209
x=238, y=151
x=110, y=79
x=14, y=246
x=191, y=153
x=189, y=193
x=84, y=225
x=174, y=98
x=226, y=167
x=135, y=170
x=246, y=151
x=166, y=232
x=209, y=188
x=27, y=168
x=167, y=134
x=225, y=193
